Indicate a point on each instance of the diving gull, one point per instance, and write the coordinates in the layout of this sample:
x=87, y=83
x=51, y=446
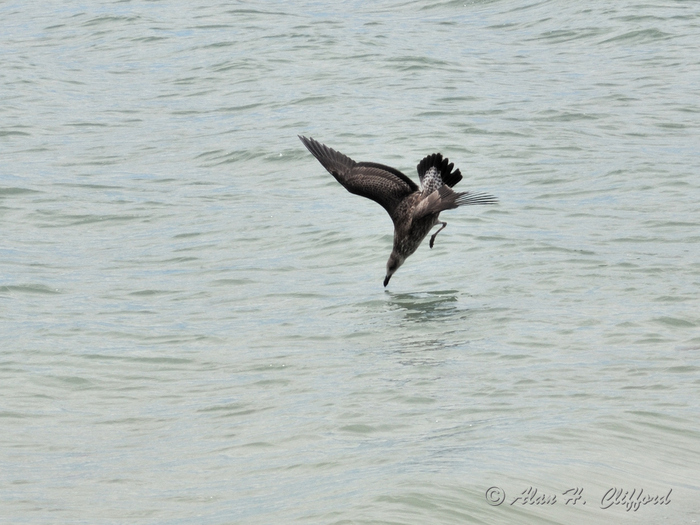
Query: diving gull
x=414, y=210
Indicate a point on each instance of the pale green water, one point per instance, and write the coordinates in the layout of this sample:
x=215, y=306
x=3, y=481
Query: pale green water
x=193, y=323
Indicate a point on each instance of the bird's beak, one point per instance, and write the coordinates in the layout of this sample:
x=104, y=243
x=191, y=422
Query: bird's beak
x=386, y=280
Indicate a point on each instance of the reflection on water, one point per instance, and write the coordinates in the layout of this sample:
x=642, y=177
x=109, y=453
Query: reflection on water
x=424, y=306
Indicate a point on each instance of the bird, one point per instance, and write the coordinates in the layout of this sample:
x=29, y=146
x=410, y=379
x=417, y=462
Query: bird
x=414, y=211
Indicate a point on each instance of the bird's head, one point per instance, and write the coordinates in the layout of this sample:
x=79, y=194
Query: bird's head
x=393, y=264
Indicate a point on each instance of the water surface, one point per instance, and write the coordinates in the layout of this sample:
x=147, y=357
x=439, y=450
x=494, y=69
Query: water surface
x=193, y=323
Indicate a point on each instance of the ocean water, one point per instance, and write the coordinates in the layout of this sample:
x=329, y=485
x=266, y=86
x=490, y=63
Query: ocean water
x=193, y=326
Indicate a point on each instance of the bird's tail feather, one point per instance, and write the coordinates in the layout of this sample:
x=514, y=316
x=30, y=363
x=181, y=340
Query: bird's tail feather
x=443, y=165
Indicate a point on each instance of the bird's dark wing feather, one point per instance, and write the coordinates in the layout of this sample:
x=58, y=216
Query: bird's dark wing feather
x=446, y=199
x=383, y=184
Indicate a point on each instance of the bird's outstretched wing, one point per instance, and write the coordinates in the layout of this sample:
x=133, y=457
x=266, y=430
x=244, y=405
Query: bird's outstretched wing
x=446, y=199
x=383, y=184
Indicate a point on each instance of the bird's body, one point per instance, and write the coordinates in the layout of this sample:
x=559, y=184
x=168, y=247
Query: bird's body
x=414, y=211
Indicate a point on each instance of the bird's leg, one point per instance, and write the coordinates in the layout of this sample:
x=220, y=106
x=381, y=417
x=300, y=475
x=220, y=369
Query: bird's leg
x=432, y=239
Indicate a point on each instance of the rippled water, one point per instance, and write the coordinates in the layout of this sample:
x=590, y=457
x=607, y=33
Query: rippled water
x=193, y=323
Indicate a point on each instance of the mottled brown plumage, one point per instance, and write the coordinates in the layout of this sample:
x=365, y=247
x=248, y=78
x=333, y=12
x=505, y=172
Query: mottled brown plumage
x=414, y=211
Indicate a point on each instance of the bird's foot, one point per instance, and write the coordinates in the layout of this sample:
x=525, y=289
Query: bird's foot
x=432, y=239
